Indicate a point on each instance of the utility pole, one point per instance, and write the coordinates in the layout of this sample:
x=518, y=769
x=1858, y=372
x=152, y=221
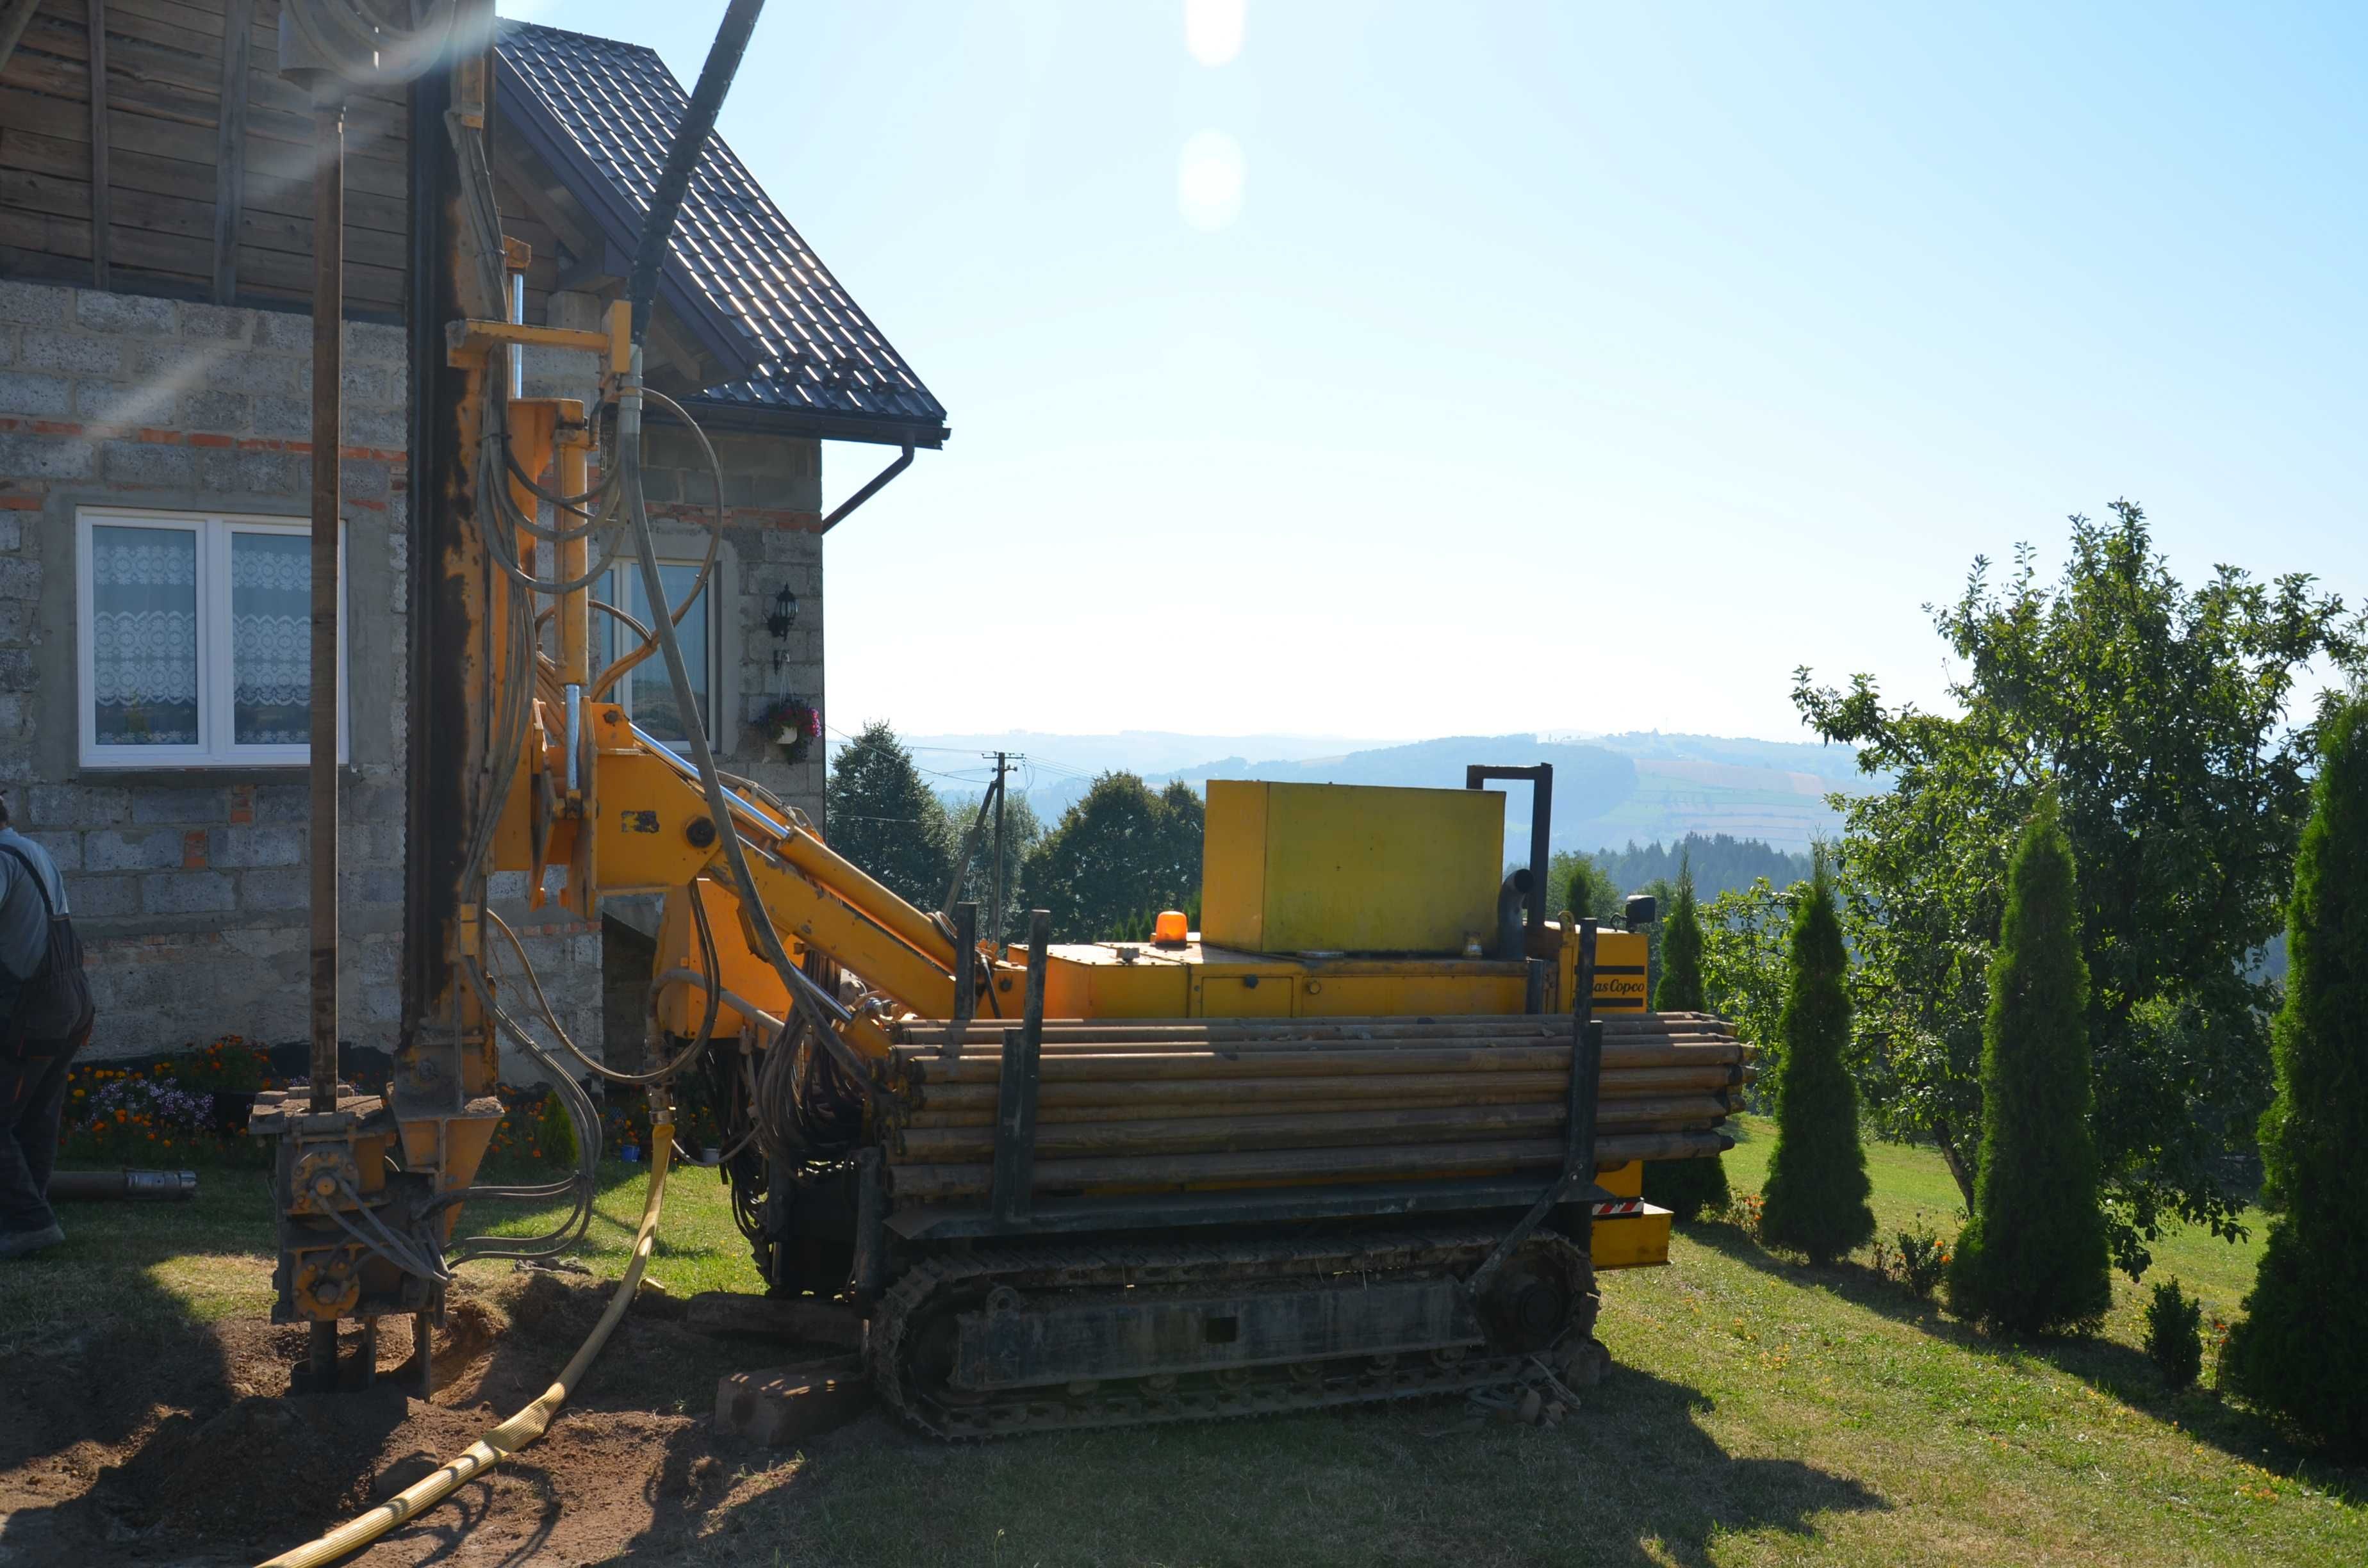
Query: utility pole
x=328, y=343
x=1003, y=761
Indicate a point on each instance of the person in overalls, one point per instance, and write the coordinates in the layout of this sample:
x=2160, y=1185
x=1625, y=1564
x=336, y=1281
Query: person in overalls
x=45, y=1016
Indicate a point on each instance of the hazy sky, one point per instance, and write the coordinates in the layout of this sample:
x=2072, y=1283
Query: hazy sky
x=1409, y=370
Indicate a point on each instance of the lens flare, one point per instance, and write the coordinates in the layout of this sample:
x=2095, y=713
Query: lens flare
x=1209, y=180
x=1212, y=29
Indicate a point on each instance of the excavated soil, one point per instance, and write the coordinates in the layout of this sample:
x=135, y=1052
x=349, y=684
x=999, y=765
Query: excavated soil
x=186, y=1449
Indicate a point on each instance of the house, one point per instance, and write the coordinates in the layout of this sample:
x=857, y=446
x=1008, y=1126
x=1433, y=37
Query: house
x=155, y=378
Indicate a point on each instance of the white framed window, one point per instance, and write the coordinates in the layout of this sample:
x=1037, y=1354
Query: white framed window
x=193, y=640
x=645, y=692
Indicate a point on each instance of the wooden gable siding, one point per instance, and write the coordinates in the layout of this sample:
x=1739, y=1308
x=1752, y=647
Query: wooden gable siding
x=523, y=219
x=163, y=90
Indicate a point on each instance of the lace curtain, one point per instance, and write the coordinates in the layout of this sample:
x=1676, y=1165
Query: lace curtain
x=270, y=639
x=144, y=635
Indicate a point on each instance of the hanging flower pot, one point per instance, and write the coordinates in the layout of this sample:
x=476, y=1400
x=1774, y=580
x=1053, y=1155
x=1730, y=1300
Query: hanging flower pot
x=795, y=724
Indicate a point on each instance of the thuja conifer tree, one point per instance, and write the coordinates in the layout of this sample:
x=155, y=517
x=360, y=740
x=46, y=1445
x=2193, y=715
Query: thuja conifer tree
x=1680, y=988
x=1685, y=1188
x=2032, y=1258
x=1817, y=1188
x=2301, y=1346
x=1587, y=887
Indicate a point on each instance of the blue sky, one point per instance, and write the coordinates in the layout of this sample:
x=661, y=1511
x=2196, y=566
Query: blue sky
x=1420, y=369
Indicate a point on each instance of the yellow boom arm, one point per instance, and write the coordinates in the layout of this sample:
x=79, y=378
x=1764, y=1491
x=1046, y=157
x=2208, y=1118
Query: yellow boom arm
x=638, y=822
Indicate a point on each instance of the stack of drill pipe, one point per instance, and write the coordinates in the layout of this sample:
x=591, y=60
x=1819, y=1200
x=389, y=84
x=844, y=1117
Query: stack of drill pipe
x=1281, y=1101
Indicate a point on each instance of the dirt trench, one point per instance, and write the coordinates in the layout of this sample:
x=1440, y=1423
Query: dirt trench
x=185, y=1447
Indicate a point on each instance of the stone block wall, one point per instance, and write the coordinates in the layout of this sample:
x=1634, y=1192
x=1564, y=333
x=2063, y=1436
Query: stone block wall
x=772, y=510
x=190, y=886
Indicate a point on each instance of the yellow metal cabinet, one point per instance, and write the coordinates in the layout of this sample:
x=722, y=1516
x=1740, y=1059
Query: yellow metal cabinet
x=1630, y=1240
x=1354, y=868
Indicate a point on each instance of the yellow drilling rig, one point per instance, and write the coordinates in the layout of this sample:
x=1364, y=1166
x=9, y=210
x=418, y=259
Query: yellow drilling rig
x=1369, y=1133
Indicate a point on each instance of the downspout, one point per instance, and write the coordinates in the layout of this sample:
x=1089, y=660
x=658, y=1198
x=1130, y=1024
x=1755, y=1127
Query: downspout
x=879, y=482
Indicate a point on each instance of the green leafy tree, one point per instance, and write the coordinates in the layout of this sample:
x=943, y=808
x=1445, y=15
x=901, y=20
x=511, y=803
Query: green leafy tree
x=2301, y=1346
x=2032, y=1258
x=1745, y=935
x=1817, y=1195
x=1119, y=850
x=1685, y=1188
x=2160, y=714
x=1022, y=831
x=880, y=814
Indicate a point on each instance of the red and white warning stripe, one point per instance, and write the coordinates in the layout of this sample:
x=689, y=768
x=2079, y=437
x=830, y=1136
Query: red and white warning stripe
x=1620, y=1206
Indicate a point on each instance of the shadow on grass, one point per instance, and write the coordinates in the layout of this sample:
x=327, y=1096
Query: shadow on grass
x=91, y=1340
x=2108, y=1366
x=1632, y=1478
x=101, y=1349
x=1699, y=1491
x=144, y=1384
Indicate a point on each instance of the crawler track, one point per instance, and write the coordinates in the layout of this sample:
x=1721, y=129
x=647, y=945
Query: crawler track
x=916, y=1319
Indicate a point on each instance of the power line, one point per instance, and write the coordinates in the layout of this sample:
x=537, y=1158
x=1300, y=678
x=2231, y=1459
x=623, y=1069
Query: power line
x=1029, y=773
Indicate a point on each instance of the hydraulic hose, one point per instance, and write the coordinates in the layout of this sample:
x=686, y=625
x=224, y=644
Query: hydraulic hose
x=802, y=991
x=683, y=155
x=520, y=1430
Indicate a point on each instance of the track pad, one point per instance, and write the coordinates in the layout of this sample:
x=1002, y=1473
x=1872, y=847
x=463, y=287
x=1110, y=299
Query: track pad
x=1018, y=1344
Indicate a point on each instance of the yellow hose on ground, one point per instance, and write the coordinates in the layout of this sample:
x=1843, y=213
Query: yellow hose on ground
x=521, y=1428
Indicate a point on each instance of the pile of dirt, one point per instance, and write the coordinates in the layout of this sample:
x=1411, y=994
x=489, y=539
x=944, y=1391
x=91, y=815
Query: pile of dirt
x=193, y=1450
x=198, y=1479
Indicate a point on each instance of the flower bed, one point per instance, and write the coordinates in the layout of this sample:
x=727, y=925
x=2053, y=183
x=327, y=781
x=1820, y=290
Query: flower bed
x=186, y=1108
x=190, y=1108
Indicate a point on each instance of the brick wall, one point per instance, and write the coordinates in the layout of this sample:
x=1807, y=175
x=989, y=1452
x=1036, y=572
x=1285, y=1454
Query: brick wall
x=190, y=886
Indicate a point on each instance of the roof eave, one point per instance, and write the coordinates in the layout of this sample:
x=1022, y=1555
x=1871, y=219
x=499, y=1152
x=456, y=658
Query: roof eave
x=879, y=429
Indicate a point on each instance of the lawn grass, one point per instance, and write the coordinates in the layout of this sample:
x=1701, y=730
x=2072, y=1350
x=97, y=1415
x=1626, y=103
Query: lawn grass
x=1761, y=1413
x=1912, y=1185
x=698, y=1247
x=148, y=1264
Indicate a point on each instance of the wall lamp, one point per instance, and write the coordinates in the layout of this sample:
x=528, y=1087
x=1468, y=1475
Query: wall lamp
x=784, y=616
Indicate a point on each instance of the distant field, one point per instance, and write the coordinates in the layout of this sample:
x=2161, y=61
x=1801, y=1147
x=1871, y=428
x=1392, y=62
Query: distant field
x=1667, y=805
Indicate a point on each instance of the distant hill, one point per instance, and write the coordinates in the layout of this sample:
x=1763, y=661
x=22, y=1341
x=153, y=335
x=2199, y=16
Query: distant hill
x=1836, y=763
x=1609, y=789
x=1151, y=753
x=1588, y=780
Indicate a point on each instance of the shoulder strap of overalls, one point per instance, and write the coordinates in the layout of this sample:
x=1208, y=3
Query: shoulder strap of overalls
x=33, y=871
